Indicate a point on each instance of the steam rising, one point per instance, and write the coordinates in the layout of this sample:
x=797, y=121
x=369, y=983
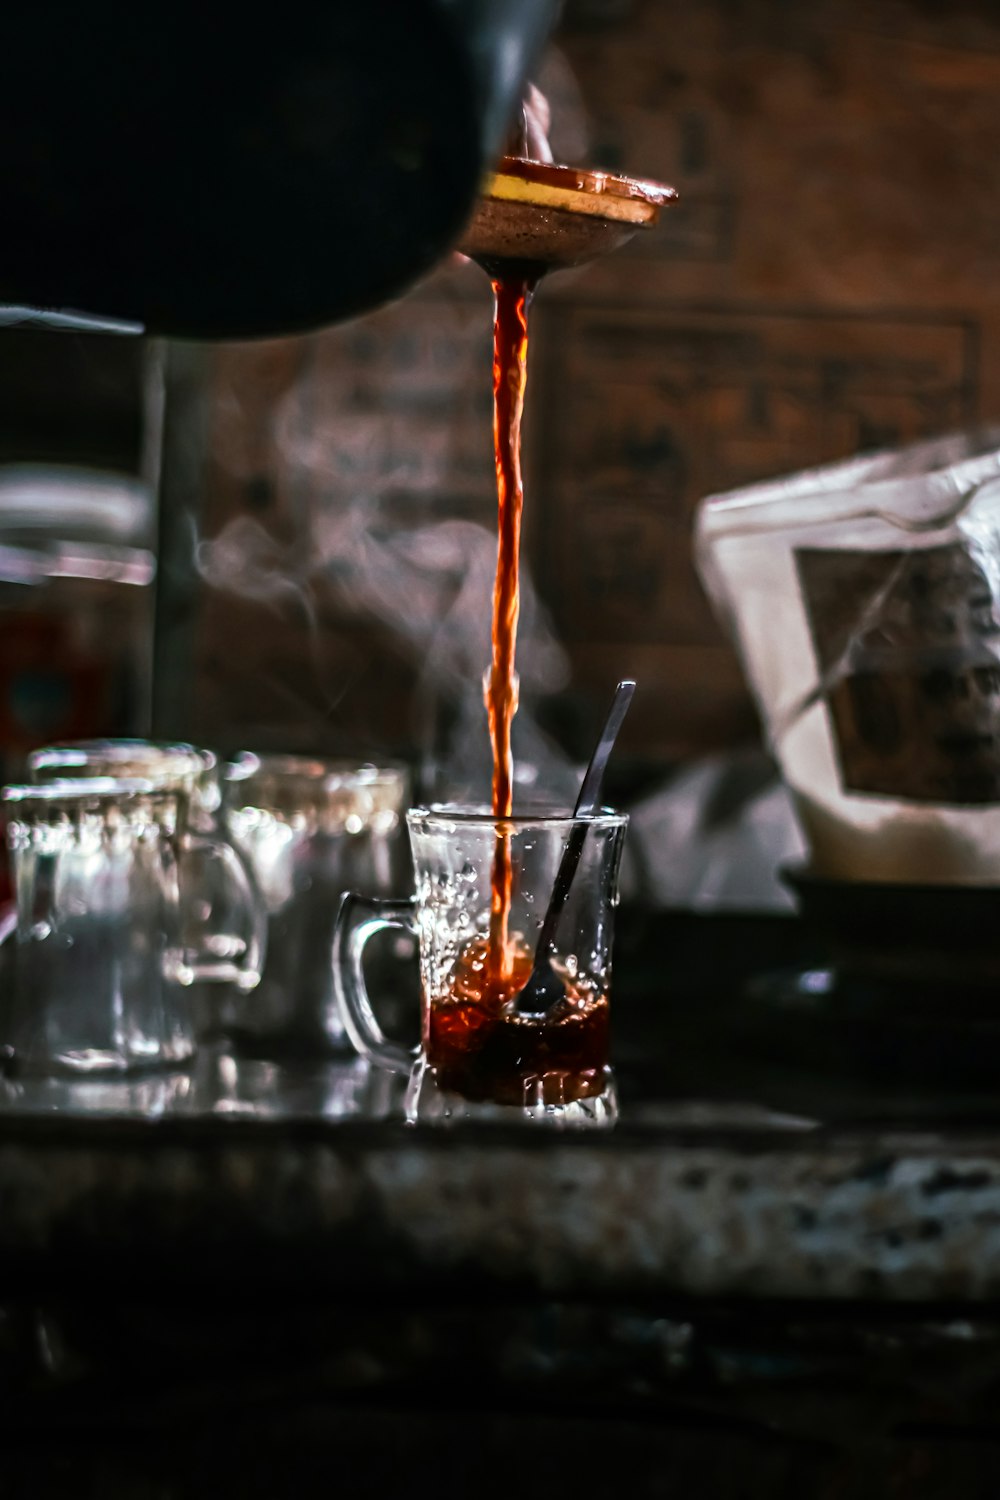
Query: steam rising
x=353, y=477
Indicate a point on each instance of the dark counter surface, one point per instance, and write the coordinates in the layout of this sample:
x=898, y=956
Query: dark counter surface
x=779, y=1276
x=776, y=1141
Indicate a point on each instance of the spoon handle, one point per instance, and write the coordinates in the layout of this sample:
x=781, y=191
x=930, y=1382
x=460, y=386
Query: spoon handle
x=589, y=799
x=587, y=804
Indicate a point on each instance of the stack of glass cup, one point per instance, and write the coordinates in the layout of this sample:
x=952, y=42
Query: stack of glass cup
x=139, y=885
x=127, y=893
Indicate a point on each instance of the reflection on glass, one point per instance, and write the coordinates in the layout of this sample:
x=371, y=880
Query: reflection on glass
x=217, y=1085
x=144, y=1098
x=333, y=1089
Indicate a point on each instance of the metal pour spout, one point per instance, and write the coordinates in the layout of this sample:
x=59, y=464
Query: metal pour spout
x=543, y=217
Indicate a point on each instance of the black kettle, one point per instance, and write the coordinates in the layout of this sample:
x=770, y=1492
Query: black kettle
x=210, y=169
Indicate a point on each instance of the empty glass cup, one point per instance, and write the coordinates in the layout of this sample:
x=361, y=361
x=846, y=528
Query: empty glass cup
x=311, y=829
x=222, y=915
x=100, y=965
x=482, y=890
x=182, y=768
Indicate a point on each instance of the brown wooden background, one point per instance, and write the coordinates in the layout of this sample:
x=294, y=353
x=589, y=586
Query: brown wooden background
x=829, y=282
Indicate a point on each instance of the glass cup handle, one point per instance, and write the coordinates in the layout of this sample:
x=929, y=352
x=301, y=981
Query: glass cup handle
x=8, y=928
x=358, y=919
x=243, y=970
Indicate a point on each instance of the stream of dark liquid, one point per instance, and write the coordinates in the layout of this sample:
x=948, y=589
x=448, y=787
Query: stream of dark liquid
x=479, y=1044
x=512, y=296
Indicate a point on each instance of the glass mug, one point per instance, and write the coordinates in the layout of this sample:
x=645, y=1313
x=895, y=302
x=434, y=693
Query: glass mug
x=222, y=913
x=483, y=1055
x=100, y=962
x=311, y=829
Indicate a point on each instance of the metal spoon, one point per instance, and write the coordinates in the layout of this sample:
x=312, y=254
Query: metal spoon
x=543, y=988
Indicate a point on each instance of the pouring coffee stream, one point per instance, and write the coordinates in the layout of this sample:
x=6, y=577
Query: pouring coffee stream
x=533, y=217
x=500, y=1025
x=543, y=988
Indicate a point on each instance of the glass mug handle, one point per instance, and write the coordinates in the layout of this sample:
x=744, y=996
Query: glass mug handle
x=358, y=919
x=8, y=928
x=245, y=967
x=8, y=922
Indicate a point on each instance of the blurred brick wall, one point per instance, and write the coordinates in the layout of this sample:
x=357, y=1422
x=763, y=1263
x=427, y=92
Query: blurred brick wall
x=829, y=282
